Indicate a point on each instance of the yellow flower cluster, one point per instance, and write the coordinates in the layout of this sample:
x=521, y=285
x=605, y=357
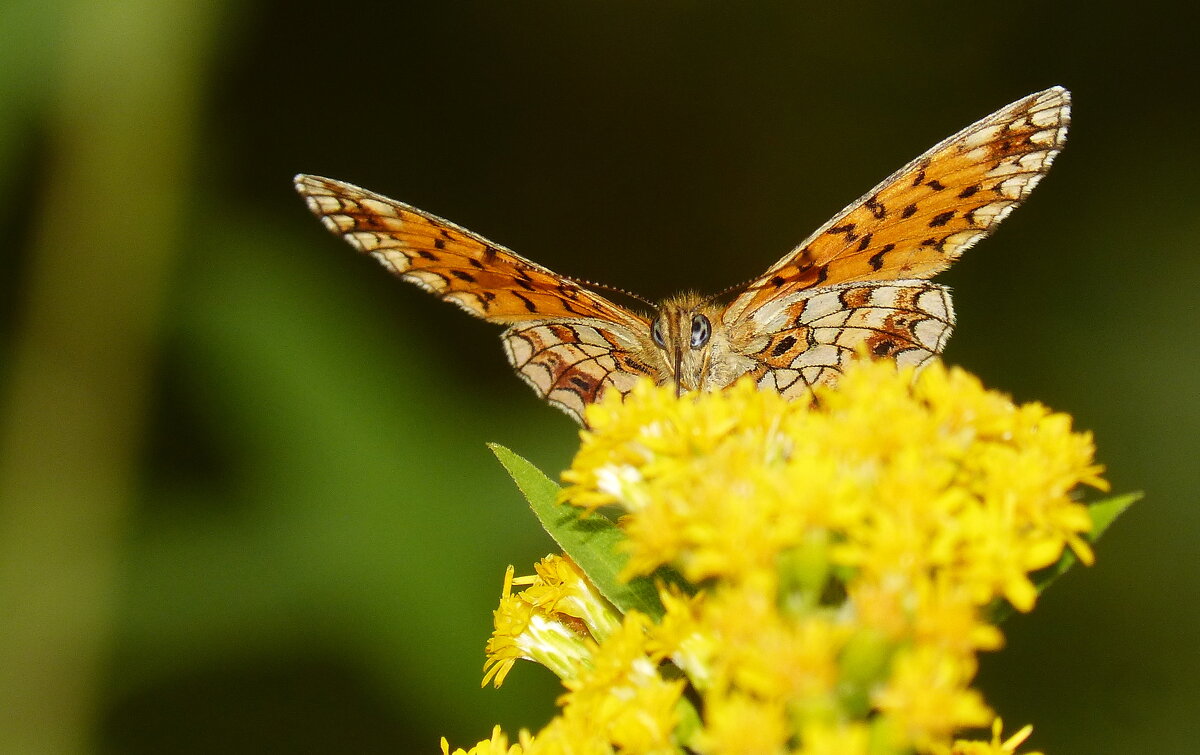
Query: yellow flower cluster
x=842, y=558
x=617, y=697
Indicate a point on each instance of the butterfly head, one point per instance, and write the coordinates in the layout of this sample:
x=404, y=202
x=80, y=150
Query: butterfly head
x=686, y=333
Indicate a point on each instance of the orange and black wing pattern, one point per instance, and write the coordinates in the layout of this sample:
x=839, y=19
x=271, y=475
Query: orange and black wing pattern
x=810, y=336
x=923, y=217
x=568, y=343
x=572, y=363
x=451, y=262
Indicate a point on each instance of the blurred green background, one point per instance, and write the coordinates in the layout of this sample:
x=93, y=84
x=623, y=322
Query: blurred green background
x=245, y=503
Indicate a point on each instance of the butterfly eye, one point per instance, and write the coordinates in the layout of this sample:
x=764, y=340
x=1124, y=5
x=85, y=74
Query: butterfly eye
x=656, y=332
x=701, y=330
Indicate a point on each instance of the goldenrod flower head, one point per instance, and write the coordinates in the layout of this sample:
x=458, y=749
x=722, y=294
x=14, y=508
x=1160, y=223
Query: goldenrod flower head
x=907, y=477
x=560, y=587
x=740, y=724
x=497, y=744
x=992, y=747
x=526, y=628
x=927, y=698
x=622, y=695
x=841, y=556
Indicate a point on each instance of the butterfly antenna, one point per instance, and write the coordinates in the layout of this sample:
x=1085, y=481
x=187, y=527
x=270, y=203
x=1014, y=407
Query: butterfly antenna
x=611, y=289
x=738, y=287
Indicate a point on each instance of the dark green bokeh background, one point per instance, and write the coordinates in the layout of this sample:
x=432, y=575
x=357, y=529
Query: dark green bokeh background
x=249, y=507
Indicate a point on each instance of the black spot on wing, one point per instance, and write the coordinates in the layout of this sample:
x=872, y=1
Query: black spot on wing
x=876, y=207
x=528, y=304
x=883, y=348
x=783, y=345
x=876, y=261
x=942, y=218
x=847, y=229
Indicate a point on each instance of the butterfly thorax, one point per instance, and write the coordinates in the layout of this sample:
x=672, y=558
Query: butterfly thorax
x=692, y=346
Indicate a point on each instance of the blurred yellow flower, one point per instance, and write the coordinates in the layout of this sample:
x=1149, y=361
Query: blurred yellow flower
x=992, y=747
x=496, y=745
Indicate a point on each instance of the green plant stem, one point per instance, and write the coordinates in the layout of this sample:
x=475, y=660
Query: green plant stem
x=122, y=135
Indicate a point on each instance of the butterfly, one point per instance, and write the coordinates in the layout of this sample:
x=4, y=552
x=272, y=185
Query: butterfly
x=858, y=284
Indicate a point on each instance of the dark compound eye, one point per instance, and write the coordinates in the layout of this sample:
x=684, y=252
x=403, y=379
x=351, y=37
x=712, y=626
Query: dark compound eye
x=656, y=332
x=701, y=330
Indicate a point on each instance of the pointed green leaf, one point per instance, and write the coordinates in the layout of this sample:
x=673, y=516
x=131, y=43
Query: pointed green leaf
x=592, y=541
x=1103, y=514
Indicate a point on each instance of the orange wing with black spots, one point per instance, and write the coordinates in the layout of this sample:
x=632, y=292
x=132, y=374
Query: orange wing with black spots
x=570, y=344
x=451, y=262
x=858, y=284
x=924, y=216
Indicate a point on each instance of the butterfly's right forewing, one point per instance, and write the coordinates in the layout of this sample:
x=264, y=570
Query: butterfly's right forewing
x=857, y=283
x=925, y=215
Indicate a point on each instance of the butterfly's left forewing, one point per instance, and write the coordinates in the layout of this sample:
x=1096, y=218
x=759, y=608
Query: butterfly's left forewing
x=569, y=343
x=454, y=264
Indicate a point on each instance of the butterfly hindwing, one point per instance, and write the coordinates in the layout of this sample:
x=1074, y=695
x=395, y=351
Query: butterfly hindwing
x=570, y=364
x=811, y=335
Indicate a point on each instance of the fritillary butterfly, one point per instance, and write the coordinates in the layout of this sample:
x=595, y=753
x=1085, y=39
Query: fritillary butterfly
x=857, y=281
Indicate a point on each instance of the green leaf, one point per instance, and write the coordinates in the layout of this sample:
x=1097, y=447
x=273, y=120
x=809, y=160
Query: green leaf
x=689, y=723
x=592, y=541
x=1103, y=514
